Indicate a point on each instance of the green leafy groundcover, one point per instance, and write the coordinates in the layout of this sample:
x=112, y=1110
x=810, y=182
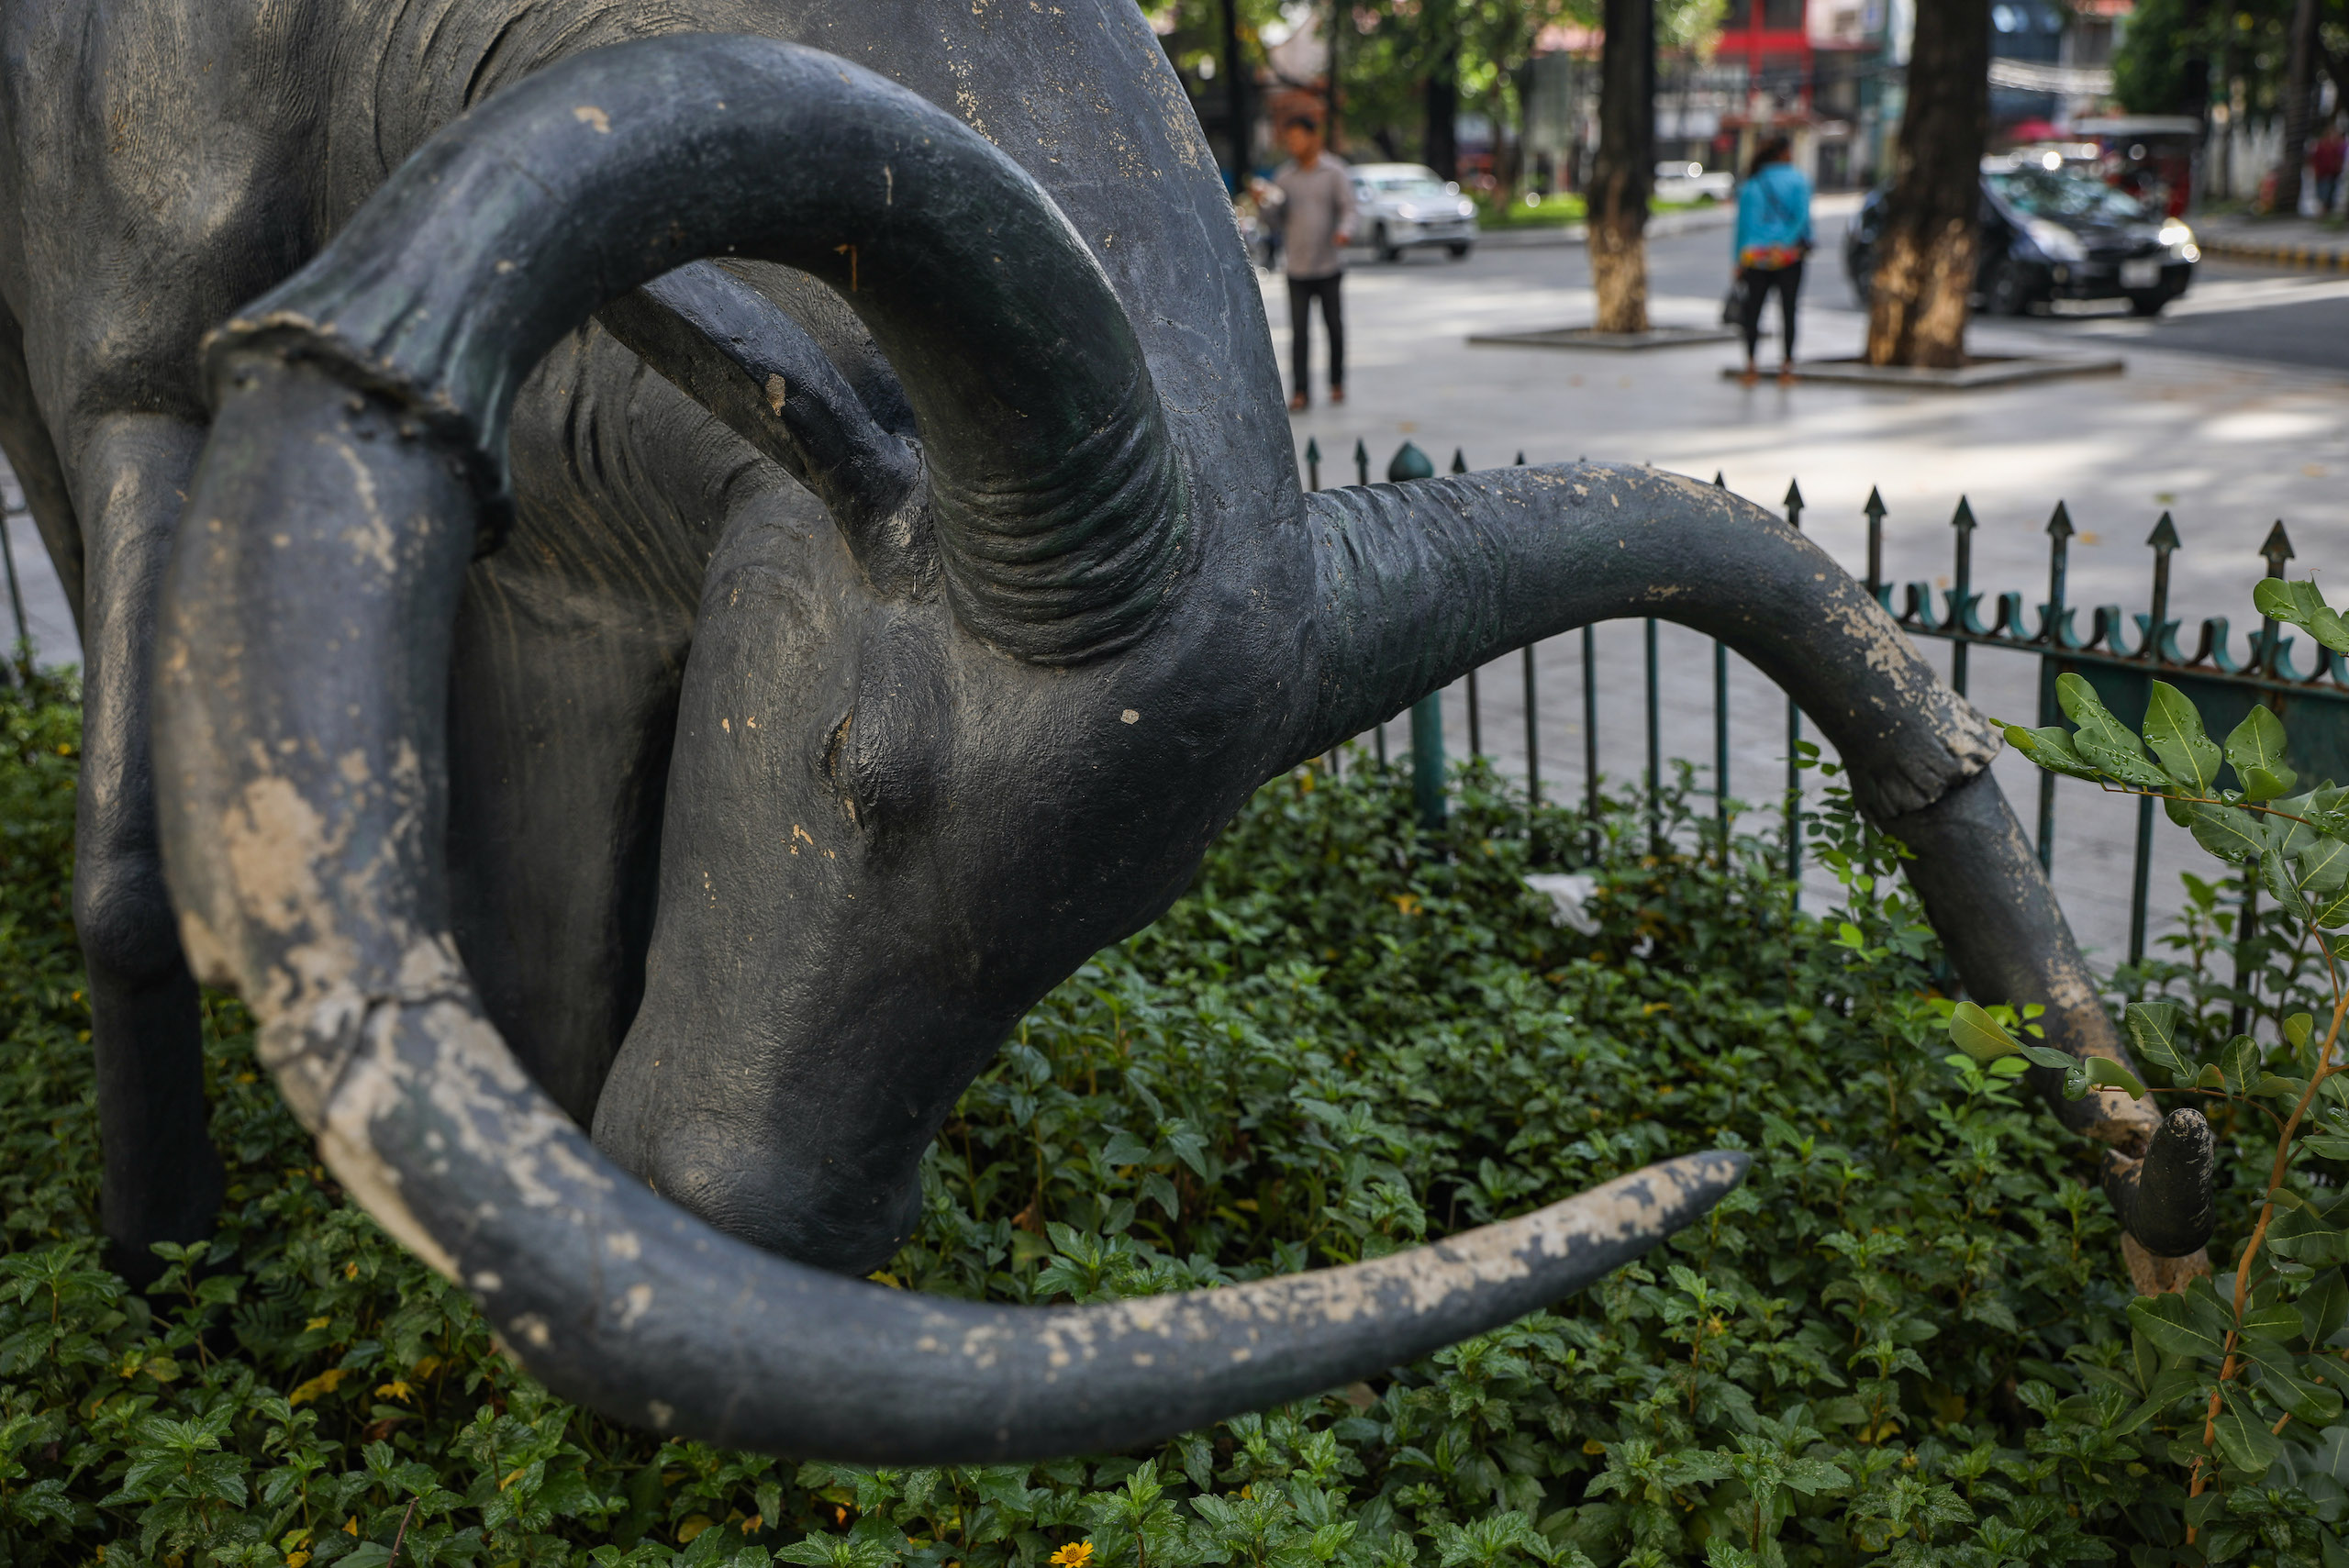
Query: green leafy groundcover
x=1903, y=1339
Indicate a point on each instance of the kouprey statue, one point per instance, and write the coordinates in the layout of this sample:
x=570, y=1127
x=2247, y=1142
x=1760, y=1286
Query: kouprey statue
x=668, y=570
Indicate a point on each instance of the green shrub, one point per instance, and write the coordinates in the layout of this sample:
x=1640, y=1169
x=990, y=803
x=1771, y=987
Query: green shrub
x=1905, y=1339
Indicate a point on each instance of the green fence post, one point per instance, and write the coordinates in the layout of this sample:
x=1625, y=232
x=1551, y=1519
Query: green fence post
x=1427, y=758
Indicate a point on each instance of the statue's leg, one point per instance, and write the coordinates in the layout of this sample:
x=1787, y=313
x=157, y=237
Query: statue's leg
x=33, y=457
x=163, y=1178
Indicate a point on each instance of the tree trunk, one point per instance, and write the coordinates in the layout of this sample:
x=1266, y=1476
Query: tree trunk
x=2300, y=105
x=1624, y=172
x=1236, y=99
x=1341, y=16
x=1442, y=141
x=1924, y=266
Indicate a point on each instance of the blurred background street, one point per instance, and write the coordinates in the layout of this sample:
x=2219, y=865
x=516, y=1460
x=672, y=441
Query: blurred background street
x=2233, y=413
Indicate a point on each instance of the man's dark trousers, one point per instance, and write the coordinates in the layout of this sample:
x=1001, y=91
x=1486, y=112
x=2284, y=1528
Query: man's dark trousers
x=1302, y=292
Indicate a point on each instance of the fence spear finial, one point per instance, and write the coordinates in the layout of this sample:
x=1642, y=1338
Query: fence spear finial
x=1312, y=463
x=2278, y=550
x=1520, y=459
x=1459, y=461
x=2052, y=630
x=1361, y=462
x=1793, y=506
x=1719, y=483
x=1875, y=509
x=1961, y=596
x=2164, y=539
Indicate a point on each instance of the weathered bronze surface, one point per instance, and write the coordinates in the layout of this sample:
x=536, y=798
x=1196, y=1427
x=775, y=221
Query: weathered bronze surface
x=710, y=700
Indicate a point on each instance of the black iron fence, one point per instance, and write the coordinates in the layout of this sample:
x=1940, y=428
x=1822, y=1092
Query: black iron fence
x=2121, y=653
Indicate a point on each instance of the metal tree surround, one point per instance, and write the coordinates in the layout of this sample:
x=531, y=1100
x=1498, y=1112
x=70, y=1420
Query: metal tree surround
x=903, y=642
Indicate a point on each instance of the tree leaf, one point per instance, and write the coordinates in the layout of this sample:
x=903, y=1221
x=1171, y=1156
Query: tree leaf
x=2277, y=1320
x=2256, y=750
x=2239, y=1061
x=2106, y=1074
x=1979, y=1035
x=2153, y=1029
x=2280, y=1379
x=2174, y=730
x=2302, y=604
x=2324, y=865
x=2323, y=1307
x=2175, y=1328
x=2244, y=1442
x=2230, y=832
x=2102, y=740
x=2052, y=749
x=2292, y=603
x=2275, y=875
x=2047, y=1056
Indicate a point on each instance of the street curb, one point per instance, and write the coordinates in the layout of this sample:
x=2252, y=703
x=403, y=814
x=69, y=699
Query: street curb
x=1983, y=373
x=1661, y=226
x=1591, y=338
x=2334, y=256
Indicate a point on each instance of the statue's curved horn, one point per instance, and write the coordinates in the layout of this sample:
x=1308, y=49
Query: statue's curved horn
x=1055, y=493
x=303, y=671
x=1419, y=584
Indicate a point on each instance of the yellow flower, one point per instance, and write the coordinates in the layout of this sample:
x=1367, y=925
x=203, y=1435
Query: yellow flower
x=1078, y=1554
x=324, y=1384
x=397, y=1389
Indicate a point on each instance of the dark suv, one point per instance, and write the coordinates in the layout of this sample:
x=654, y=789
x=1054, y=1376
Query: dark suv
x=2050, y=231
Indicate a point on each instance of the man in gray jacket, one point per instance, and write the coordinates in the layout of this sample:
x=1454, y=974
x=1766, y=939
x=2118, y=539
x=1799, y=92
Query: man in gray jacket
x=1312, y=202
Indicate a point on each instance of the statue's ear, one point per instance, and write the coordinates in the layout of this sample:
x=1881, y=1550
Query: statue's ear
x=750, y=362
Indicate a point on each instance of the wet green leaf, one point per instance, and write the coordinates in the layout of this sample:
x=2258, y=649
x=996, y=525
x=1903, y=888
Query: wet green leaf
x=2256, y=750
x=2275, y=875
x=2230, y=832
x=2103, y=740
x=2052, y=749
x=2174, y=731
x=2302, y=604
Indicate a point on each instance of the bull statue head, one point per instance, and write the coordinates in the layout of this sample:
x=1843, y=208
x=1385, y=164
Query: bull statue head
x=1015, y=599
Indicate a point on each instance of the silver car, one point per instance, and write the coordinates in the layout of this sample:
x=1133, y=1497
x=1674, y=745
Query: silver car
x=1405, y=207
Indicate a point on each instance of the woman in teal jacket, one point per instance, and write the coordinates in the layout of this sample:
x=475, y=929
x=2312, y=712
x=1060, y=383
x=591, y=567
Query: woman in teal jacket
x=1773, y=237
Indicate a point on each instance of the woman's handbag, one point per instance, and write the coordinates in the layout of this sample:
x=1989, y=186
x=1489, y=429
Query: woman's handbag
x=1733, y=303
